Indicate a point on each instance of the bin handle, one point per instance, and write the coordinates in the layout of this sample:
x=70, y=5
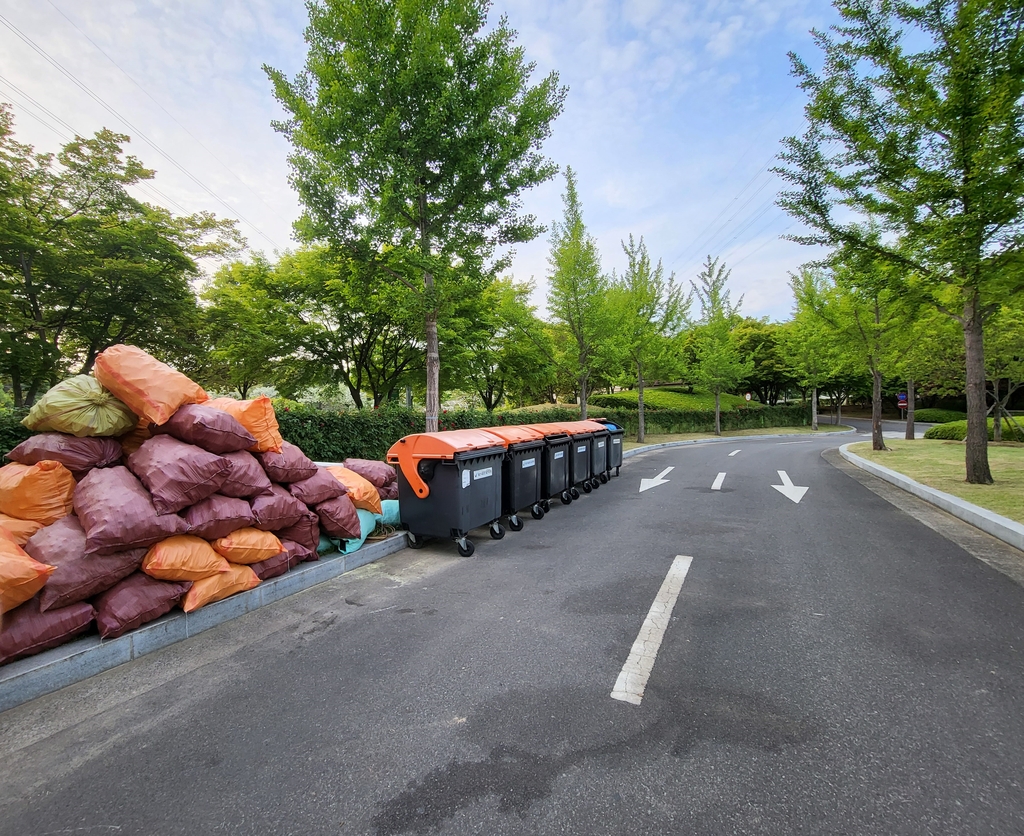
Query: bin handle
x=409, y=462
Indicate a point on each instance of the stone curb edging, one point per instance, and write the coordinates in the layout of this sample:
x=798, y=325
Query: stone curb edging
x=637, y=450
x=51, y=670
x=1000, y=527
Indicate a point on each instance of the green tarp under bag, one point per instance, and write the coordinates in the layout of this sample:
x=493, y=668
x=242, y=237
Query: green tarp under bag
x=79, y=406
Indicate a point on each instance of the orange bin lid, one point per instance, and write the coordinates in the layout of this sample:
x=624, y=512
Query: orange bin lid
x=408, y=452
x=514, y=433
x=575, y=427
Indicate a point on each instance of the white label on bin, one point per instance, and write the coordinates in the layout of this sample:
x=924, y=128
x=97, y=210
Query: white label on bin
x=482, y=474
x=559, y=454
x=465, y=478
x=616, y=441
x=582, y=448
x=529, y=462
x=600, y=444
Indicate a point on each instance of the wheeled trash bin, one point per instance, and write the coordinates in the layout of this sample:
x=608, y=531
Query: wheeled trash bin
x=448, y=484
x=554, y=472
x=616, y=434
x=599, y=453
x=520, y=472
x=579, y=456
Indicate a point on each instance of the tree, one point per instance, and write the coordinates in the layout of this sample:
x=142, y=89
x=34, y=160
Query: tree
x=414, y=133
x=576, y=293
x=760, y=340
x=917, y=120
x=651, y=310
x=719, y=366
x=1004, y=350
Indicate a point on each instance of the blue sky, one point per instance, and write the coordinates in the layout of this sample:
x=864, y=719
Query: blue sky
x=675, y=110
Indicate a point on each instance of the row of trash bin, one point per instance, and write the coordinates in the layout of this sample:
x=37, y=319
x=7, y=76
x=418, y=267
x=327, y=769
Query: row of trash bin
x=452, y=482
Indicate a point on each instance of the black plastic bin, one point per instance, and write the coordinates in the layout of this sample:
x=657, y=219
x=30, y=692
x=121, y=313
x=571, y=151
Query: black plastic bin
x=579, y=463
x=599, y=456
x=521, y=472
x=616, y=435
x=448, y=484
x=554, y=474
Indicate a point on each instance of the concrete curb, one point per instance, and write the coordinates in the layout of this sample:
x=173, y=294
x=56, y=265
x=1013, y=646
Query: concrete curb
x=636, y=451
x=1000, y=527
x=51, y=670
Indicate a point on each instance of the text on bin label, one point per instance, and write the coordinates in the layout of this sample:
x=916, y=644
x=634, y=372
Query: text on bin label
x=529, y=462
x=483, y=474
x=559, y=454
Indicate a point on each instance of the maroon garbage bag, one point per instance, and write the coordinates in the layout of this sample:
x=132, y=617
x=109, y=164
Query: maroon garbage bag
x=79, y=455
x=27, y=630
x=306, y=531
x=117, y=513
x=135, y=601
x=338, y=518
x=212, y=429
x=177, y=474
x=378, y=474
x=277, y=509
x=290, y=465
x=299, y=553
x=218, y=516
x=274, y=566
x=245, y=477
x=388, y=491
x=77, y=576
x=318, y=488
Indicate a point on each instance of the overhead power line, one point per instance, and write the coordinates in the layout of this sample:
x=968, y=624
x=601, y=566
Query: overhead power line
x=85, y=88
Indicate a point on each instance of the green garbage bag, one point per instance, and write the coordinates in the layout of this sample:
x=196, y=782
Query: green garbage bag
x=79, y=406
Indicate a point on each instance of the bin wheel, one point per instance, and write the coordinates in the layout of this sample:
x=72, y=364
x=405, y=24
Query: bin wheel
x=574, y=493
x=515, y=523
x=537, y=511
x=413, y=541
x=603, y=477
x=466, y=547
x=566, y=497
x=587, y=487
x=497, y=531
x=546, y=506
x=594, y=483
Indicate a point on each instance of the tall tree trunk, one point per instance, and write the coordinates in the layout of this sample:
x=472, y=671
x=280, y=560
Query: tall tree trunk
x=997, y=424
x=877, y=441
x=408, y=397
x=910, y=410
x=978, y=471
x=814, y=409
x=839, y=408
x=640, y=433
x=718, y=413
x=16, y=386
x=583, y=396
x=433, y=372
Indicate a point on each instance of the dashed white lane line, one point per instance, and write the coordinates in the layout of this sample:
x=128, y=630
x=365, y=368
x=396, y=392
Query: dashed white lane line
x=632, y=681
x=780, y=443
x=717, y=484
x=733, y=453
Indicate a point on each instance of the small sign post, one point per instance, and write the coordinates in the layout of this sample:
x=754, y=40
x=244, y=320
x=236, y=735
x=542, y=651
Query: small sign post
x=901, y=402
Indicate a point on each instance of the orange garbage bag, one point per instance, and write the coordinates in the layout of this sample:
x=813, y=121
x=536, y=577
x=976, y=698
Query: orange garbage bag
x=41, y=492
x=150, y=389
x=18, y=531
x=183, y=558
x=248, y=545
x=220, y=586
x=258, y=417
x=21, y=577
x=361, y=491
x=132, y=441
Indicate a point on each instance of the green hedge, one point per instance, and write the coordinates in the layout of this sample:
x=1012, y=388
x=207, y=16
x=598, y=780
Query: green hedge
x=957, y=431
x=939, y=416
x=669, y=398
x=12, y=433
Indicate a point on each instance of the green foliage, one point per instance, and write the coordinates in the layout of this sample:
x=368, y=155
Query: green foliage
x=703, y=420
x=762, y=342
x=667, y=398
x=938, y=416
x=957, y=431
x=12, y=433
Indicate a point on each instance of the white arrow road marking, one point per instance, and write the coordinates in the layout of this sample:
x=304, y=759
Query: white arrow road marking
x=733, y=453
x=647, y=484
x=632, y=681
x=717, y=484
x=788, y=489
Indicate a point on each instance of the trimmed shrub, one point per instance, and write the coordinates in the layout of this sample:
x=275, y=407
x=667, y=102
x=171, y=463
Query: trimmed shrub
x=957, y=431
x=12, y=433
x=938, y=416
x=670, y=398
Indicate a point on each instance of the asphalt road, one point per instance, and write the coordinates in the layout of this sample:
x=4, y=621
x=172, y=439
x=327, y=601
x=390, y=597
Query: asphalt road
x=829, y=667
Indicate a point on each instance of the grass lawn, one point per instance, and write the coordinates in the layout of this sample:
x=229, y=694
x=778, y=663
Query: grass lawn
x=670, y=398
x=658, y=438
x=940, y=465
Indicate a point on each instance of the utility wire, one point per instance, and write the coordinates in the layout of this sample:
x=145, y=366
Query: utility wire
x=132, y=127
x=127, y=75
